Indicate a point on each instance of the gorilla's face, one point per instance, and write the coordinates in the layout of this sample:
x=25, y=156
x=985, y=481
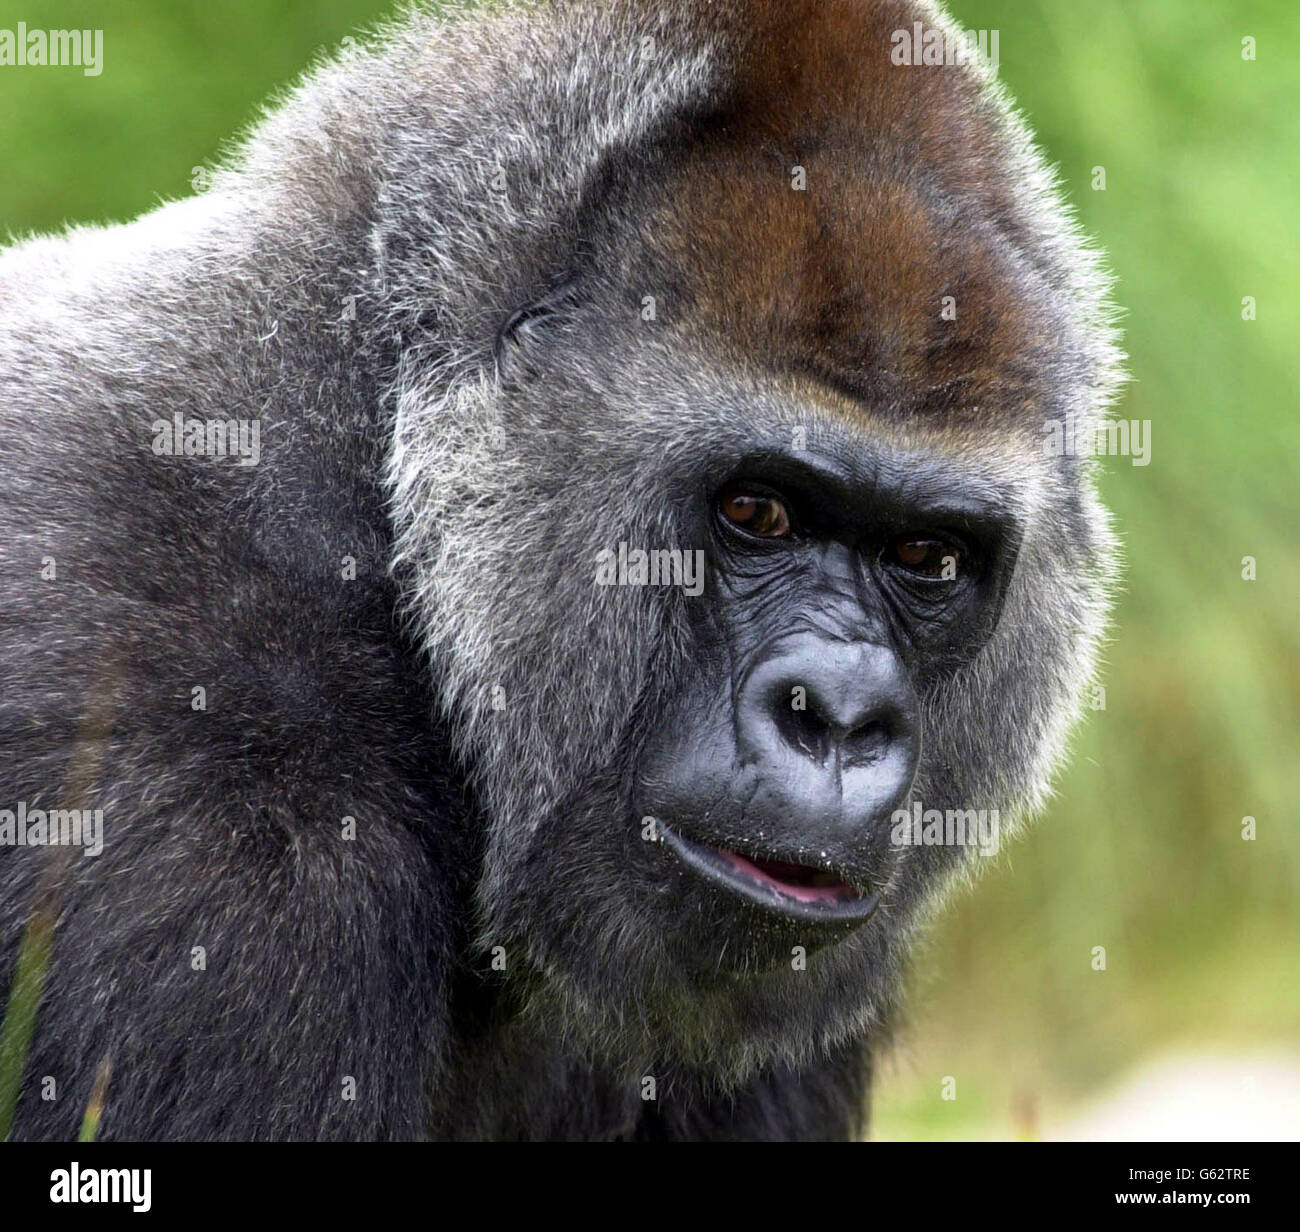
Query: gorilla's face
x=688, y=791
x=841, y=585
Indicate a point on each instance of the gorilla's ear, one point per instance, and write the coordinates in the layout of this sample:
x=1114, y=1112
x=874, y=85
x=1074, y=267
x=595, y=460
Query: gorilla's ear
x=525, y=326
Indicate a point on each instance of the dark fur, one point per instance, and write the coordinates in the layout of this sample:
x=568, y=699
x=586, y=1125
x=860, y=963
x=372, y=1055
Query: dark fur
x=472, y=474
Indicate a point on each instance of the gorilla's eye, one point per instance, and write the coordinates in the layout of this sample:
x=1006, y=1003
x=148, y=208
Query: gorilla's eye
x=925, y=557
x=756, y=513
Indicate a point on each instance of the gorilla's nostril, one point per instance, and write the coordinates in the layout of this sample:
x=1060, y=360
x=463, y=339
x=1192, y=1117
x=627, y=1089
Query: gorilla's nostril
x=805, y=730
x=866, y=743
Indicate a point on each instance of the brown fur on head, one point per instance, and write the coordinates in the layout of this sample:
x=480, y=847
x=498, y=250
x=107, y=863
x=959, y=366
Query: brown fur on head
x=829, y=200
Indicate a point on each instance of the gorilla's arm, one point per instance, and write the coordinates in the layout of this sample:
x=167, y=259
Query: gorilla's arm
x=207, y=652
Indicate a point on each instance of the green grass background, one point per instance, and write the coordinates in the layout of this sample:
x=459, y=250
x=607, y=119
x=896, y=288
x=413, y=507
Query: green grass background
x=1141, y=852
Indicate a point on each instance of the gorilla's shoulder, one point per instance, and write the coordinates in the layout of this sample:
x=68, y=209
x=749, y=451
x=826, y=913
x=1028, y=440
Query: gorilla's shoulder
x=191, y=488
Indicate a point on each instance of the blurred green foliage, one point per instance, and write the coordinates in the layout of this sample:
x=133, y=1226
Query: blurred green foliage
x=1142, y=850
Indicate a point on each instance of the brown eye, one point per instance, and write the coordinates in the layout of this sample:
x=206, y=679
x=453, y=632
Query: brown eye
x=930, y=558
x=755, y=512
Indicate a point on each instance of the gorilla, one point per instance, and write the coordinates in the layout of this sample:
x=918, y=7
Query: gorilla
x=483, y=581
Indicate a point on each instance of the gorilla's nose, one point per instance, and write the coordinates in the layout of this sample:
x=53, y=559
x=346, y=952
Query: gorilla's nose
x=825, y=717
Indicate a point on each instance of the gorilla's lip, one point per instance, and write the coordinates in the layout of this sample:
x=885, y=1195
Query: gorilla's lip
x=744, y=877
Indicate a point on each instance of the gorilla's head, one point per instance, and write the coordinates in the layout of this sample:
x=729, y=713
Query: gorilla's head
x=725, y=502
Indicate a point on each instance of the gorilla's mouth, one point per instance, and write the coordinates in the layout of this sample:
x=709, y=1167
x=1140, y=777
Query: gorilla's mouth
x=797, y=891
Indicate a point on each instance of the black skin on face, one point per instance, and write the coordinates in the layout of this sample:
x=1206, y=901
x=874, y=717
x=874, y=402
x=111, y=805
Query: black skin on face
x=844, y=583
